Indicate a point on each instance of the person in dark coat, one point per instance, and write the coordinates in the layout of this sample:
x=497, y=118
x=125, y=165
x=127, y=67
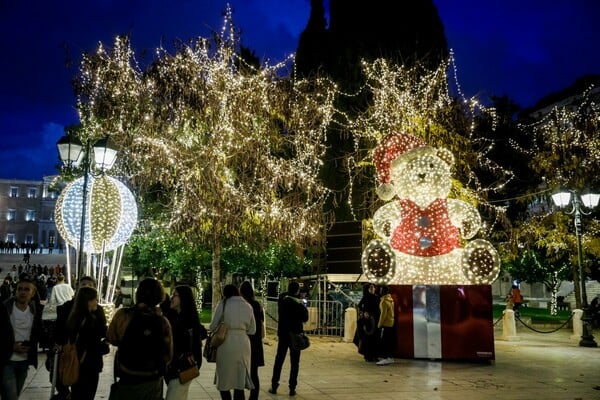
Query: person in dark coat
x=366, y=327
x=60, y=335
x=6, y=290
x=24, y=329
x=257, y=355
x=292, y=314
x=188, y=334
x=87, y=330
x=6, y=337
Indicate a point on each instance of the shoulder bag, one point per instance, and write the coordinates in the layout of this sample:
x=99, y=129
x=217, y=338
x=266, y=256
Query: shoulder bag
x=216, y=338
x=299, y=341
x=187, y=367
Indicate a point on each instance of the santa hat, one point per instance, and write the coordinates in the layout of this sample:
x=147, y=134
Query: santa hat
x=390, y=148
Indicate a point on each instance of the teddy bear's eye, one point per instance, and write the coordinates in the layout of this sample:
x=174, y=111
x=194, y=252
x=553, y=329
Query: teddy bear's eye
x=431, y=165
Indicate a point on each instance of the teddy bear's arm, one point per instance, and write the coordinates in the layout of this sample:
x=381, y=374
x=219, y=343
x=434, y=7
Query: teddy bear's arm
x=386, y=218
x=465, y=217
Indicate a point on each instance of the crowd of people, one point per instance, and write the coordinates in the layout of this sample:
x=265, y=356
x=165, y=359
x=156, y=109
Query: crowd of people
x=44, y=278
x=375, y=331
x=169, y=325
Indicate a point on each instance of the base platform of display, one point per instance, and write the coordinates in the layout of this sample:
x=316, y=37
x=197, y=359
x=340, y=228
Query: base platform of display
x=444, y=322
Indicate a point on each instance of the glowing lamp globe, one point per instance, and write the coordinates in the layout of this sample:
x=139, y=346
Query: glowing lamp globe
x=111, y=214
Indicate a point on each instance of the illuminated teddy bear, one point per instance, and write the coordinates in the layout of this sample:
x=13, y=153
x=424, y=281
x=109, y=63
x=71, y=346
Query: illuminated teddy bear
x=420, y=228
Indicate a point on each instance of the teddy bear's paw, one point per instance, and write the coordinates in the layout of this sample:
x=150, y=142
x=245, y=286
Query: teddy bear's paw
x=480, y=262
x=379, y=262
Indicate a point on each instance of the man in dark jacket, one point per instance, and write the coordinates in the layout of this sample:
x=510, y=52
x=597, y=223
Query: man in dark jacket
x=292, y=314
x=25, y=325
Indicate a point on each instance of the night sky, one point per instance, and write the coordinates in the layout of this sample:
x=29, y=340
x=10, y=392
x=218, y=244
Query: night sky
x=524, y=49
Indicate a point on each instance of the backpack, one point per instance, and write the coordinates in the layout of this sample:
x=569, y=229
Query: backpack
x=140, y=352
x=68, y=365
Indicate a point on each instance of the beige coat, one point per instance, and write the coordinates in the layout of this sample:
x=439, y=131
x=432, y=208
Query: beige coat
x=233, y=356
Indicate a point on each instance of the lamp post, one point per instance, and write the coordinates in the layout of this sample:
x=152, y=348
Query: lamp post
x=590, y=201
x=73, y=154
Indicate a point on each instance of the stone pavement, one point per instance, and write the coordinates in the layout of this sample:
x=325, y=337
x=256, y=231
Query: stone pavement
x=537, y=366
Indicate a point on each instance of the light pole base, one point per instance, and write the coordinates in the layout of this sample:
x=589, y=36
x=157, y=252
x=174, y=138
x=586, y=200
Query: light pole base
x=588, y=342
x=587, y=339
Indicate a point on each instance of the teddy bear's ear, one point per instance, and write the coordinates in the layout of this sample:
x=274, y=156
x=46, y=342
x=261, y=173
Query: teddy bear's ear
x=386, y=191
x=446, y=155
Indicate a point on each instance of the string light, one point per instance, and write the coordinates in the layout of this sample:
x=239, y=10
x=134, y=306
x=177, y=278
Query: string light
x=112, y=214
x=237, y=149
x=421, y=228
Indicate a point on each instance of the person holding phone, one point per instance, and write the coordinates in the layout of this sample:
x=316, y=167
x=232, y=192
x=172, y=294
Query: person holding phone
x=24, y=329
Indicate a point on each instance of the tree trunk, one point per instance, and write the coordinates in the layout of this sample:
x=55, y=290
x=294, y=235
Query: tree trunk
x=216, y=271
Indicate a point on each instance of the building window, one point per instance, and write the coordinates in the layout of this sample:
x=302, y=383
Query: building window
x=29, y=238
x=14, y=191
x=10, y=238
x=11, y=214
x=31, y=193
x=30, y=215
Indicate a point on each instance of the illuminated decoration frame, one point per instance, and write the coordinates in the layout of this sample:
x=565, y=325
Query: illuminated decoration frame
x=111, y=217
x=421, y=231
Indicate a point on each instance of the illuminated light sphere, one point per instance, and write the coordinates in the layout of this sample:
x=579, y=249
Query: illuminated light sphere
x=111, y=214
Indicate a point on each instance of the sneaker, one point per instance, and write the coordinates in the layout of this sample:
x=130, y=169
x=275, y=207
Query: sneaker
x=386, y=361
x=292, y=392
x=272, y=390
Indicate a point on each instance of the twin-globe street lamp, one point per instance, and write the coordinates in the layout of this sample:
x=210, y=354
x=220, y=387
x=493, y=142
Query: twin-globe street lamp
x=96, y=213
x=590, y=201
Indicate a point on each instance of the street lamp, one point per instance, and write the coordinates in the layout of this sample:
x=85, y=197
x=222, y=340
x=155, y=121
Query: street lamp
x=73, y=154
x=590, y=201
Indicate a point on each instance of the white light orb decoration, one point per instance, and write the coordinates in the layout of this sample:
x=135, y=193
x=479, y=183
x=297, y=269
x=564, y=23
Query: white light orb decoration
x=111, y=214
x=424, y=236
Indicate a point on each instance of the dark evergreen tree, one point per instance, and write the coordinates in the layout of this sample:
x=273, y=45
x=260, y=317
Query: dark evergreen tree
x=363, y=31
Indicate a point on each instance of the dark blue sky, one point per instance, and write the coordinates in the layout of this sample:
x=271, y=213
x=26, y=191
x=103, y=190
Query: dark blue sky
x=525, y=49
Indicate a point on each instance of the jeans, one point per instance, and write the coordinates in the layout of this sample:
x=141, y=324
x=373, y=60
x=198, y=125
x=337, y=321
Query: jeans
x=177, y=390
x=282, y=348
x=13, y=379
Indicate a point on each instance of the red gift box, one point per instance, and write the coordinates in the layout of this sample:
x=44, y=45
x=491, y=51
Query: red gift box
x=447, y=322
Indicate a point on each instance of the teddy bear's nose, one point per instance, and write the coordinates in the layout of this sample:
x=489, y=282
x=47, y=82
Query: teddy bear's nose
x=421, y=176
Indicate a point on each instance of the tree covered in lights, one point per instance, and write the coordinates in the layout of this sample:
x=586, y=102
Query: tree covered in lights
x=417, y=101
x=235, y=150
x=334, y=43
x=562, y=145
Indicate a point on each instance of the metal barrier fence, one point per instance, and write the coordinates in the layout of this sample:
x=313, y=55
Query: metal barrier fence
x=325, y=317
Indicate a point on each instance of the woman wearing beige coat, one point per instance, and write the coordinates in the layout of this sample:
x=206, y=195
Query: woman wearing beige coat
x=233, y=356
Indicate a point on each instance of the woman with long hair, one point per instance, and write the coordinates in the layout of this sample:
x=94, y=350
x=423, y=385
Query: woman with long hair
x=87, y=329
x=188, y=333
x=368, y=318
x=233, y=356
x=257, y=357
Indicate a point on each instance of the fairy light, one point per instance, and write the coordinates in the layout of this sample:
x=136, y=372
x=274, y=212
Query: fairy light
x=420, y=229
x=112, y=214
x=237, y=148
x=419, y=101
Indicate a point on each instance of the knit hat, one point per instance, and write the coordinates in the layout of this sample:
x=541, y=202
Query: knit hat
x=390, y=148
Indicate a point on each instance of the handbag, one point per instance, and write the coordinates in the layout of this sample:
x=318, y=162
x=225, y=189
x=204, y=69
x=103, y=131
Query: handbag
x=299, y=341
x=188, y=369
x=218, y=335
x=216, y=338
x=210, y=352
